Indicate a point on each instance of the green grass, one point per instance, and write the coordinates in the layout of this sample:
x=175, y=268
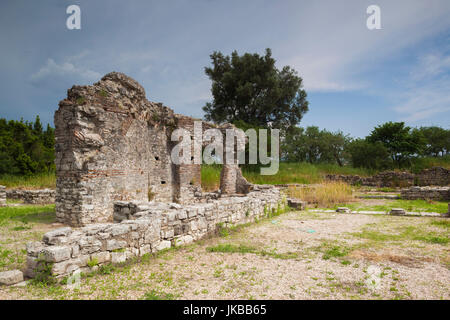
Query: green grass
x=38, y=181
x=232, y=248
x=408, y=205
x=428, y=162
x=211, y=177
x=301, y=172
x=404, y=233
x=158, y=295
x=242, y=248
x=28, y=213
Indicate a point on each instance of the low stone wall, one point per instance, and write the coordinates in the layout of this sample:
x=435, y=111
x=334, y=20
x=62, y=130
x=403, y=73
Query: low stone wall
x=2, y=196
x=431, y=193
x=435, y=176
x=144, y=227
x=382, y=179
x=43, y=196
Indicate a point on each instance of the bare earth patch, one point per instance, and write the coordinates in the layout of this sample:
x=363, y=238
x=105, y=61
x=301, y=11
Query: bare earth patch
x=298, y=255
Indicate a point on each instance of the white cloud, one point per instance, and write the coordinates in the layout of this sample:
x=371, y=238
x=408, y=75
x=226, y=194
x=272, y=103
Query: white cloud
x=65, y=69
x=427, y=91
x=333, y=50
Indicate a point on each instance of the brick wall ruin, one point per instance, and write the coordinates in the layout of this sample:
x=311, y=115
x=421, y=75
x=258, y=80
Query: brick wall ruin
x=112, y=144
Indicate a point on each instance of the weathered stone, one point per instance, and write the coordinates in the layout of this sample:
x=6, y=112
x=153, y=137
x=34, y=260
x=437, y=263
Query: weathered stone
x=118, y=257
x=101, y=257
x=296, y=204
x=34, y=248
x=11, y=277
x=144, y=249
x=53, y=237
x=343, y=210
x=183, y=240
x=56, y=253
x=2, y=196
x=165, y=244
x=65, y=267
x=115, y=244
x=397, y=212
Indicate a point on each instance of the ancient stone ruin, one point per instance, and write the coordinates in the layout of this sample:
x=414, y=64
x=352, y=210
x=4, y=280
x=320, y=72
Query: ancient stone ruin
x=43, y=196
x=436, y=176
x=119, y=189
x=426, y=193
x=2, y=196
x=113, y=144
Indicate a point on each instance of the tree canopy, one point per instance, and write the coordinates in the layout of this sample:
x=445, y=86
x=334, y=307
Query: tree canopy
x=25, y=148
x=251, y=89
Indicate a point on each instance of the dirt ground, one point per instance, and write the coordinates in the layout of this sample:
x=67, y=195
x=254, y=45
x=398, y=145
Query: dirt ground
x=297, y=255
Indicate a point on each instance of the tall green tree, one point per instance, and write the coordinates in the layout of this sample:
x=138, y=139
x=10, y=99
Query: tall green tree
x=251, y=89
x=365, y=154
x=437, y=140
x=25, y=148
x=401, y=142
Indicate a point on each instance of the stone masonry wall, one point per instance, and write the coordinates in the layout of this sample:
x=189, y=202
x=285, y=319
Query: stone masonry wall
x=435, y=176
x=2, y=196
x=112, y=144
x=144, y=227
x=426, y=193
x=44, y=196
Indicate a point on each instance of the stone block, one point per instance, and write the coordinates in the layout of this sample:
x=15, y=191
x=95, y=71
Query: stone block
x=56, y=253
x=118, y=257
x=11, y=277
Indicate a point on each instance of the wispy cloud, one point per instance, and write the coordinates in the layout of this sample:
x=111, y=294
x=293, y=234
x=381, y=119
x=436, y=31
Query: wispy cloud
x=67, y=68
x=428, y=89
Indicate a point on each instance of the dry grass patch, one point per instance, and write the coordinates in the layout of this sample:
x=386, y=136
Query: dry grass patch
x=409, y=261
x=326, y=194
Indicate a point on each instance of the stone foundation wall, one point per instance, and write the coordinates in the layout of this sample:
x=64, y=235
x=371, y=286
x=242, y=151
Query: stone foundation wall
x=426, y=193
x=144, y=227
x=43, y=196
x=435, y=176
x=2, y=196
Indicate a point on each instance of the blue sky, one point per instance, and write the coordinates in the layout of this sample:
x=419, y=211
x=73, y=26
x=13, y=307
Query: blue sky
x=355, y=78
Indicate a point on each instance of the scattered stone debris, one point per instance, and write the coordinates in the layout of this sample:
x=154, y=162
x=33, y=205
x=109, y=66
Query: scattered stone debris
x=11, y=277
x=296, y=204
x=343, y=210
x=397, y=212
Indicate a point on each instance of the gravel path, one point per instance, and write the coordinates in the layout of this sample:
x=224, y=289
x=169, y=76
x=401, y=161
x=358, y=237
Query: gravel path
x=298, y=255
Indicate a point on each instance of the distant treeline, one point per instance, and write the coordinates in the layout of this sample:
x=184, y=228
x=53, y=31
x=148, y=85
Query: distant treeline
x=390, y=145
x=26, y=148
